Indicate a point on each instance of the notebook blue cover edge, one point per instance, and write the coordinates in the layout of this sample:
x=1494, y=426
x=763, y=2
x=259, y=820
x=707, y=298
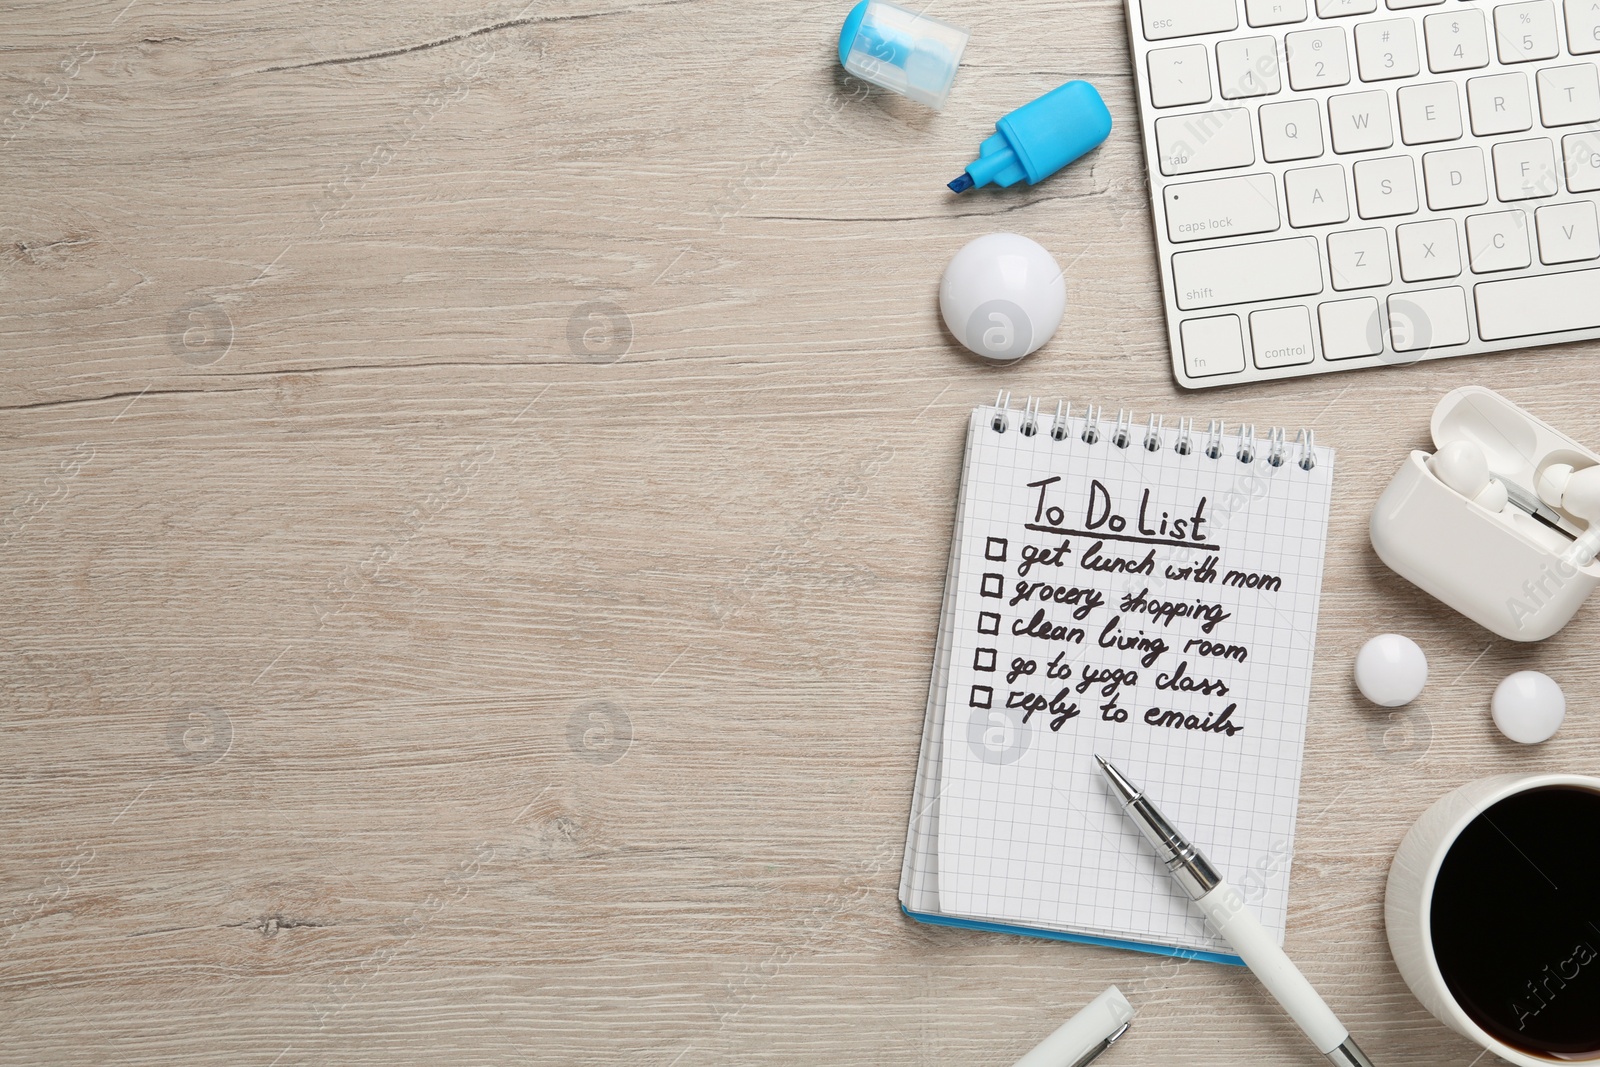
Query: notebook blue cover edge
x=1082, y=939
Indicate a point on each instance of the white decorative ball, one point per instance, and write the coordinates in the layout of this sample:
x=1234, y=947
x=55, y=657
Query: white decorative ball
x=1529, y=707
x=1391, y=670
x=1003, y=296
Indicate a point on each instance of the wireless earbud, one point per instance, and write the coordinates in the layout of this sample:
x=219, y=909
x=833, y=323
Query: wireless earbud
x=1576, y=492
x=1463, y=467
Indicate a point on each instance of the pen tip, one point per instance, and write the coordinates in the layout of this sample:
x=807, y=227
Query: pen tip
x=1118, y=780
x=962, y=184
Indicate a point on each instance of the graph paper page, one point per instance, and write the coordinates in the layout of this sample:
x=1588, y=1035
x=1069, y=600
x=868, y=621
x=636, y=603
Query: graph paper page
x=919, y=873
x=1155, y=607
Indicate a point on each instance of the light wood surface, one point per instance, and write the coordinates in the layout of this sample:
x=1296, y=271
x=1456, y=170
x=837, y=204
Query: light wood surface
x=476, y=486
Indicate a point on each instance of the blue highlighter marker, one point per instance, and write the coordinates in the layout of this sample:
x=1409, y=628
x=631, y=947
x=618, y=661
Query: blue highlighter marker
x=1040, y=138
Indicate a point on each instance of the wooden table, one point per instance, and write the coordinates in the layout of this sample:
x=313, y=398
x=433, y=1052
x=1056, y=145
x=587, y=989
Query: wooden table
x=477, y=481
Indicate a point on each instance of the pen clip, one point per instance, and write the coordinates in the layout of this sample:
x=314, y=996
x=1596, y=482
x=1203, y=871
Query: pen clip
x=1100, y=1049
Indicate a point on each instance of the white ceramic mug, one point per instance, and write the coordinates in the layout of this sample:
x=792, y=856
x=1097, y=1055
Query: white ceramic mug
x=1409, y=898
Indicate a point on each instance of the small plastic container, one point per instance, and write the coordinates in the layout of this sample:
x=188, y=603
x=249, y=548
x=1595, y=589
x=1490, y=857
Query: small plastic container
x=902, y=51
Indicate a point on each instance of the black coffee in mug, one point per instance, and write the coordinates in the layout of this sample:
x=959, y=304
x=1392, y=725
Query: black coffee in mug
x=1515, y=922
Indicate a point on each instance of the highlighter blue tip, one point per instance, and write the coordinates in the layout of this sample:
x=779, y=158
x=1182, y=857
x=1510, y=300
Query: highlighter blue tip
x=962, y=184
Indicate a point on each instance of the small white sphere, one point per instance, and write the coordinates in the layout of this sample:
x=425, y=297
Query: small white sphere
x=1391, y=670
x=1003, y=296
x=1528, y=707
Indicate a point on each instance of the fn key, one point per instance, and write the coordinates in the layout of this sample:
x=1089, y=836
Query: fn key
x=1212, y=346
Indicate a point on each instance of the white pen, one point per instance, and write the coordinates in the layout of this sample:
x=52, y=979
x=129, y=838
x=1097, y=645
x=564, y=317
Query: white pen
x=1222, y=905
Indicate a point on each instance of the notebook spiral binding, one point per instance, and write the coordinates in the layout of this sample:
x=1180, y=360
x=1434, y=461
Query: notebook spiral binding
x=1242, y=445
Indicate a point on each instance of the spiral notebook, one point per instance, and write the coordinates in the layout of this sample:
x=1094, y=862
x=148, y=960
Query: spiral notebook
x=1144, y=591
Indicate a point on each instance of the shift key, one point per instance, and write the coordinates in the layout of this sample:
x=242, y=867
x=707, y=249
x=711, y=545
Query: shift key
x=1243, y=274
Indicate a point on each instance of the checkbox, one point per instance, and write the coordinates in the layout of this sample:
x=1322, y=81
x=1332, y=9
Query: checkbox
x=988, y=622
x=994, y=585
x=984, y=660
x=982, y=696
x=996, y=549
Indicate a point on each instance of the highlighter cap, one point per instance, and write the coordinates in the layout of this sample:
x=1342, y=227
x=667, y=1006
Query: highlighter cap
x=902, y=51
x=1059, y=127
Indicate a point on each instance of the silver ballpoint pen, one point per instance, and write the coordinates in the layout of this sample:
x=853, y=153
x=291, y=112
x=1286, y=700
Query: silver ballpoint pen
x=1226, y=910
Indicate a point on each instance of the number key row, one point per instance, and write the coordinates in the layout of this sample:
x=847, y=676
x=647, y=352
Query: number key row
x=1248, y=67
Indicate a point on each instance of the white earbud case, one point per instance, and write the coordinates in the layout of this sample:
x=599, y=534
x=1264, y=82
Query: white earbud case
x=1510, y=572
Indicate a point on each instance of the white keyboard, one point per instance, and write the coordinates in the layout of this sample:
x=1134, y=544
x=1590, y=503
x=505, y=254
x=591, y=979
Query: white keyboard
x=1339, y=184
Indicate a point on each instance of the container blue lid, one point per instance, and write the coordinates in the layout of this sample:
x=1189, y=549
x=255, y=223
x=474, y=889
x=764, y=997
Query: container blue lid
x=852, y=26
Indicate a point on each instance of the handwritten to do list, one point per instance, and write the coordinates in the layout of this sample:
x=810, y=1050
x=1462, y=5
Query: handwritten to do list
x=1148, y=594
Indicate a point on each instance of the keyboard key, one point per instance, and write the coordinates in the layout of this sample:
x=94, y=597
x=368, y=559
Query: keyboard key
x=1498, y=241
x=1359, y=259
x=1387, y=49
x=1525, y=170
x=1457, y=40
x=1165, y=19
x=1180, y=75
x=1212, y=346
x=1569, y=95
x=1431, y=318
x=1351, y=328
x=1582, y=154
x=1334, y=8
x=1242, y=274
x=1386, y=187
x=1525, y=32
x=1274, y=12
x=1399, y=5
x=1206, y=140
x=1568, y=233
x=1455, y=178
x=1499, y=104
x=1318, y=59
x=1428, y=250
x=1430, y=113
x=1282, y=337
x=1223, y=207
x=1248, y=67
x=1291, y=130
x=1583, y=27
x=1541, y=304
x=1360, y=121
x=1316, y=196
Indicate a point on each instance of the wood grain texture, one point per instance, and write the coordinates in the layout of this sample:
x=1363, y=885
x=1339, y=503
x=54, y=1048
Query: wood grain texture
x=477, y=478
